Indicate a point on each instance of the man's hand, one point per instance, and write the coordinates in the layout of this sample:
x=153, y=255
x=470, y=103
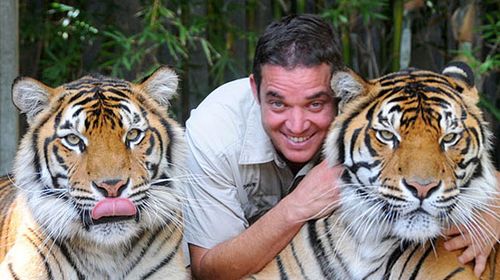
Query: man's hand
x=316, y=195
x=479, y=238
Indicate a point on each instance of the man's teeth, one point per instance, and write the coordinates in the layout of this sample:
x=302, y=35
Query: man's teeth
x=298, y=139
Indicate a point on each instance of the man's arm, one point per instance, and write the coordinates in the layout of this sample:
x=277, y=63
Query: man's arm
x=250, y=251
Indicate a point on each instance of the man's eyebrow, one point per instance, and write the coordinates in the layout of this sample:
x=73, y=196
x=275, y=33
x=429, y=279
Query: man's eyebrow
x=274, y=95
x=319, y=95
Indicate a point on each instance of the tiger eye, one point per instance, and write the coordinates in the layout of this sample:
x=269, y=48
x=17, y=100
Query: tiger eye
x=386, y=135
x=133, y=134
x=72, y=139
x=449, y=137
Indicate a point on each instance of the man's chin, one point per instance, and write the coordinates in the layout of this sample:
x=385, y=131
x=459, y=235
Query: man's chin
x=298, y=157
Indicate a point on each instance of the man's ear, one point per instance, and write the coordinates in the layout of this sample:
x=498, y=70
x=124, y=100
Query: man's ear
x=255, y=90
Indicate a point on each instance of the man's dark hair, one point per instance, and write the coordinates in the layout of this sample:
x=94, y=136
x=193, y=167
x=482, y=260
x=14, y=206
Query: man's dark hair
x=294, y=40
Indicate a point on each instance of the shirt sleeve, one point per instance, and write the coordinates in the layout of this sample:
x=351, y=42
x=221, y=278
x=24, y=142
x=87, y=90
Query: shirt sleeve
x=212, y=210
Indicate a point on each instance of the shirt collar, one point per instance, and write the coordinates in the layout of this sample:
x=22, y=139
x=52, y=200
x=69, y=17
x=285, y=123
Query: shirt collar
x=257, y=146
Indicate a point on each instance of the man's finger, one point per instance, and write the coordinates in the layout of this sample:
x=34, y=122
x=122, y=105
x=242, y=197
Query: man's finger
x=468, y=255
x=457, y=242
x=480, y=264
x=454, y=230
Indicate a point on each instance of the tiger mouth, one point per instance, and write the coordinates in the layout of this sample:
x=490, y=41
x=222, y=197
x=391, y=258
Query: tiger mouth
x=114, y=219
x=420, y=211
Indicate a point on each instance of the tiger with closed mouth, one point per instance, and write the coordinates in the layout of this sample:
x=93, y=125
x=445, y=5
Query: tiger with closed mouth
x=415, y=149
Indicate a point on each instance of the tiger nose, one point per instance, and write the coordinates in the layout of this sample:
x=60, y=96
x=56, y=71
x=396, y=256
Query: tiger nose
x=421, y=188
x=110, y=188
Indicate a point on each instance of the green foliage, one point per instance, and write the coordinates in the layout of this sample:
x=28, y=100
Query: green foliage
x=490, y=34
x=369, y=11
x=65, y=35
x=162, y=28
x=68, y=31
x=342, y=13
x=71, y=40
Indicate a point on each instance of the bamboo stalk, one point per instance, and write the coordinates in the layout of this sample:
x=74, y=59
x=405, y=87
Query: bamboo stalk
x=346, y=44
x=397, y=18
x=251, y=11
x=301, y=6
x=184, y=97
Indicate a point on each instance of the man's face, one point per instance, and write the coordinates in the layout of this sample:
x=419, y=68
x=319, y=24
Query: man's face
x=297, y=108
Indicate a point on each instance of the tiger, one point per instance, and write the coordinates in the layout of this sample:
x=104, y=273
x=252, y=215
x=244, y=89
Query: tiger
x=96, y=190
x=415, y=151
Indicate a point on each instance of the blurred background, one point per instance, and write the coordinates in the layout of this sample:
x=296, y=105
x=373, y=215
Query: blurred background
x=211, y=42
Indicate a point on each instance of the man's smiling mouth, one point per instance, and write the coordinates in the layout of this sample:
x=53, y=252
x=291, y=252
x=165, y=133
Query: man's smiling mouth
x=298, y=139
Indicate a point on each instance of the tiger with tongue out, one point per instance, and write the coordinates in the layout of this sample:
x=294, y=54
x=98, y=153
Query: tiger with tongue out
x=95, y=192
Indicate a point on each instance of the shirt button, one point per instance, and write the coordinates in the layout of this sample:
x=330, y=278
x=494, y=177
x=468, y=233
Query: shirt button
x=281, y=164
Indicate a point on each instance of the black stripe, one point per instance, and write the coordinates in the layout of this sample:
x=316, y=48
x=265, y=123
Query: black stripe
x=46, y=143
x=144, y=249
x=369, y=274
x=281, y=269
x=407, y=261
x=67, y=255
x=85, y=101
x=297, y=261
x=393, y=197
x=12, y=273
x=420, y=263
x=120, y=93
x=319, y=251
x=393, y=258
x=164, y=262
x=353, y=140
x=363, y=164
x=368, y=143
x=453, y=273
x=36, y=156
x=338, y=257
x=345, y=126
x=149, y=150
x=466, y=149
x=478, y=171
x=59, y=158
x=171, y=139
x=464, y=164
x=44, y=258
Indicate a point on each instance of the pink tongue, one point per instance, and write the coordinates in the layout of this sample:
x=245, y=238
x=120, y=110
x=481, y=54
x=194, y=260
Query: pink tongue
x=109, y=207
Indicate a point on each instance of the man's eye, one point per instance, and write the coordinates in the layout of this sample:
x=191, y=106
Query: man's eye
x=277, y=104
x=316, y=105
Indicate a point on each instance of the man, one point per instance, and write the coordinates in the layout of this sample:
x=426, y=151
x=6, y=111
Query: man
x=252, y=141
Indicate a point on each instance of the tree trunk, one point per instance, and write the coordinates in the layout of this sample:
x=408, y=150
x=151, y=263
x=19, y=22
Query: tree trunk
x=9, y=69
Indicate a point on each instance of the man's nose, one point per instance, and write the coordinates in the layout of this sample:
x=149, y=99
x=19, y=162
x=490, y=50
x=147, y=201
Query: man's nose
x=297, y=121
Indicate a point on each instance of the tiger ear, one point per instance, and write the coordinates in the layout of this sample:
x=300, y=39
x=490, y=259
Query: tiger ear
x=464, y=77
x=347, y=86
x=30, y=96
x=161, y=85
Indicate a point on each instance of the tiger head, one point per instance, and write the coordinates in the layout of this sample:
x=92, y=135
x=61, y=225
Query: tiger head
x=415, y=150
x=101, y=156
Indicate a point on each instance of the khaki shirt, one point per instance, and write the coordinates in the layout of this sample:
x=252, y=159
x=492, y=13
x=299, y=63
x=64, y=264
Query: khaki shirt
x=235, y=173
